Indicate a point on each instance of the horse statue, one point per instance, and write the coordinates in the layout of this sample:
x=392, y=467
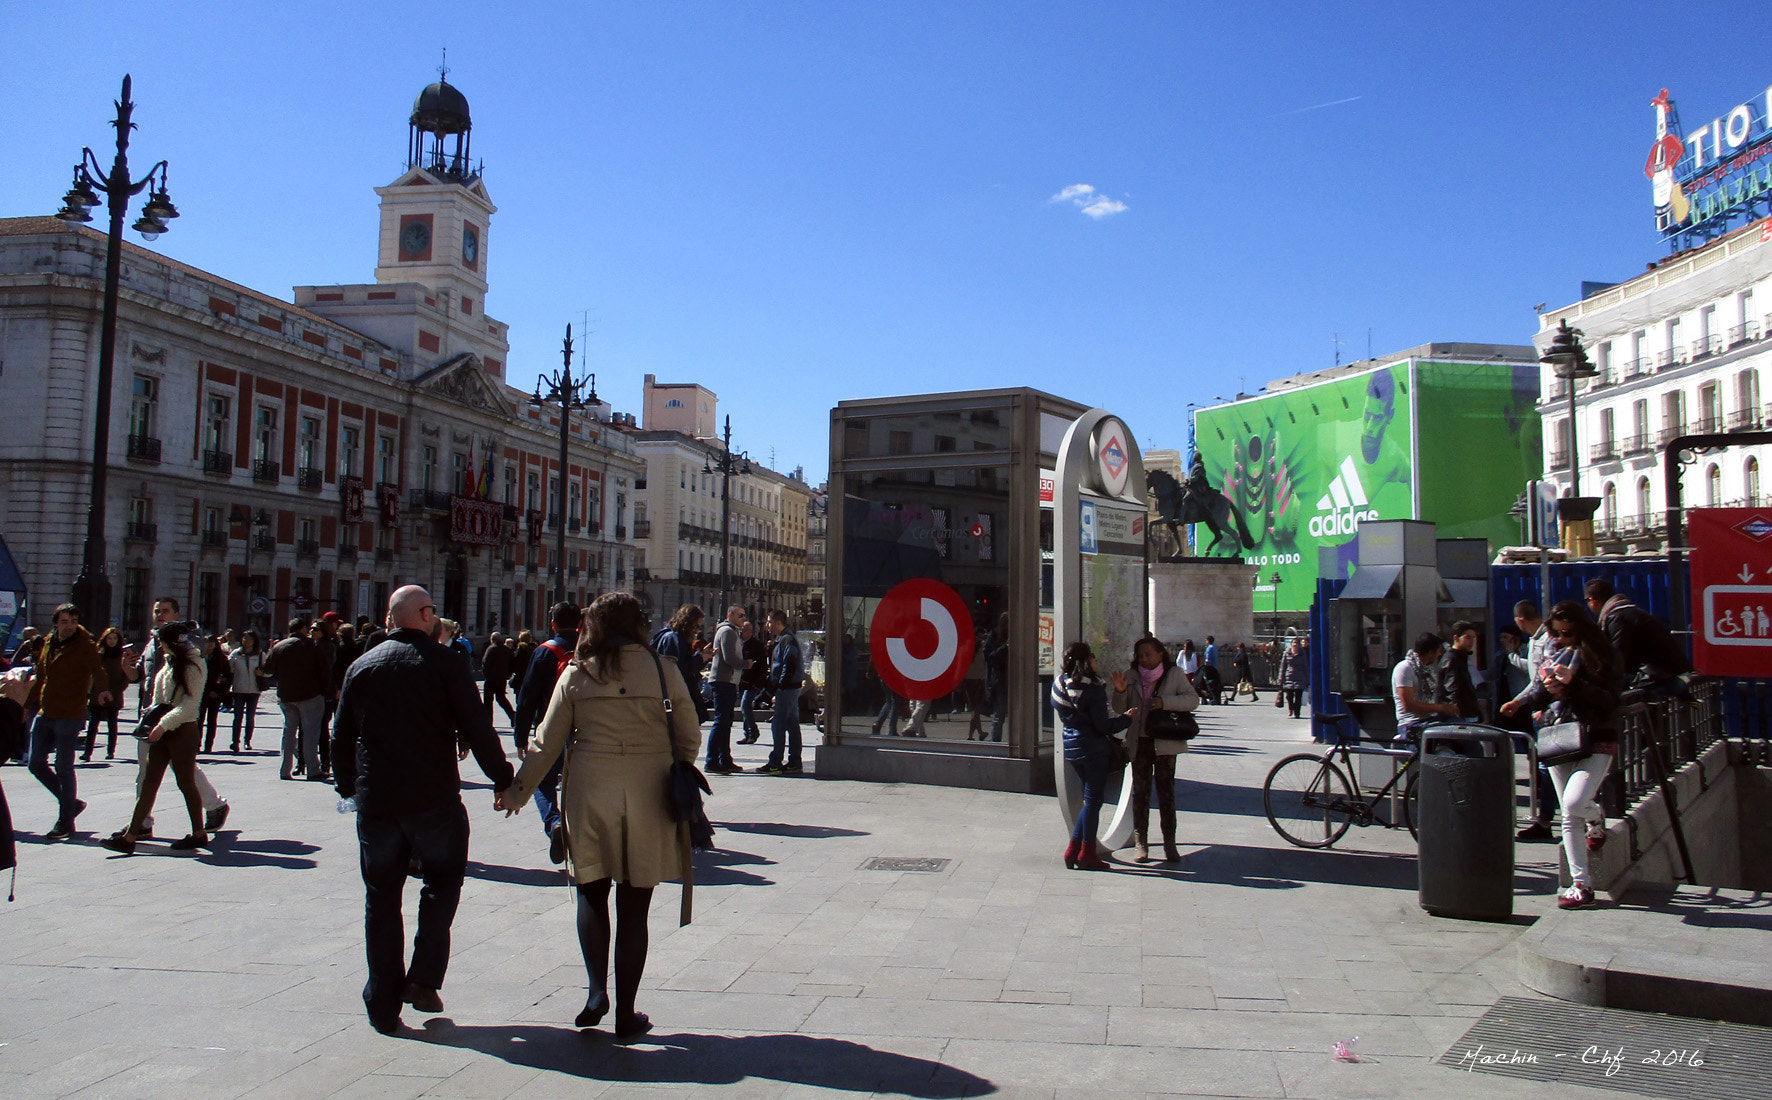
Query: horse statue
x=1196, y=502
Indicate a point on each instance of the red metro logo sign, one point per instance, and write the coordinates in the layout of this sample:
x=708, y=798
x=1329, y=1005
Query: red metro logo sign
x=1731, y=590
x=921, y=639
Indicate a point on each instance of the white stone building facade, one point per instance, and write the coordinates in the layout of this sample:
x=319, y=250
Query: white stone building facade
x=1685, y=348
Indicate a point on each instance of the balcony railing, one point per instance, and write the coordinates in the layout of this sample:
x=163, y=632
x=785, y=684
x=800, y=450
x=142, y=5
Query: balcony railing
x=531, y=568
x=1708, y=345
x=595, y=528
x=1636, y=368
x=218, y=462
x=1603, y=452
x=1638, y=444
x=215, y=539
x=347, y=553
x=435, y=500
x=641, y=573
x=308, y=477
x=642, y=528
x=1708, y=425
x=620, y=532
x=1741, y=334
x=307, y=548
x=140, y=532
x=384, y=554
x=1672, y=357
x=1669, y=434
x=1745, y=420
x=510, y=565
x=1559, y=389
x=1559, y=459
x=573, y=526
x=266, y=471
x=264, y=543
x=144, y=448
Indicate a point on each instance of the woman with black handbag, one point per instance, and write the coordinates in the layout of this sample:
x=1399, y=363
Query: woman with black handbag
x=607, y=714
x=1161, y=728
x=173, y=734
x=1581, y=685
x=1090, y=748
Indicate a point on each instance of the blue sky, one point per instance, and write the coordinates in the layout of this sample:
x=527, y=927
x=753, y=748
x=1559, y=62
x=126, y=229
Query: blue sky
x=795, y=204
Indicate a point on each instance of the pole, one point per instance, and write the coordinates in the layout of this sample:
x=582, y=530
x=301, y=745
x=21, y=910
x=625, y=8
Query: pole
x=564, y=391
x=1574, y=446
x=726, y=520
x=92, y=588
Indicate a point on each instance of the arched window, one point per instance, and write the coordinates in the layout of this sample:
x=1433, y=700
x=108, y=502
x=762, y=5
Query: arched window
x=1750, y=478
x=1713, y=486
x=1645, y=502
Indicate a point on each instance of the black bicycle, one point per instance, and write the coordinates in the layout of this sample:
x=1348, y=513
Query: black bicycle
x=1310, y=801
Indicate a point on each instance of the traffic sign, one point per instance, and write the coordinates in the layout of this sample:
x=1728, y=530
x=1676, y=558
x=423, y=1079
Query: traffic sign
x=1731, y=590
x=921, y=639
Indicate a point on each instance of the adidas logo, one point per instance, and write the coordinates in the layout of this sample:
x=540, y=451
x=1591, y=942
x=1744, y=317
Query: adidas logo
x=1344, y=506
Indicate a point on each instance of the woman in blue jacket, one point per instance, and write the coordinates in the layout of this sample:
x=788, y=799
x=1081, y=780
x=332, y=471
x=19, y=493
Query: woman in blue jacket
x=1080, y=698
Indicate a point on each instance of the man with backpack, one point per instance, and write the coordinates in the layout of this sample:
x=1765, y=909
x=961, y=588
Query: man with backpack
x=550, y=659
x=787, y=675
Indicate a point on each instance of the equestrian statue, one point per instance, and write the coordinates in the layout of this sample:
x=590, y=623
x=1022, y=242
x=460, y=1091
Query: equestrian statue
x=1196, y=501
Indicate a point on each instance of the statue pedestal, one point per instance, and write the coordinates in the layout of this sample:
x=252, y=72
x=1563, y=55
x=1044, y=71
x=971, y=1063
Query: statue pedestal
x=1201, y=596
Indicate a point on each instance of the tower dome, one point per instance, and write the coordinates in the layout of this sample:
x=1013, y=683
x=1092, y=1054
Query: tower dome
x=440, y=112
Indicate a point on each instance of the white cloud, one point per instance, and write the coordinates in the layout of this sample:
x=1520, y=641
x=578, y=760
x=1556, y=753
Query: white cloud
x=1091, y=202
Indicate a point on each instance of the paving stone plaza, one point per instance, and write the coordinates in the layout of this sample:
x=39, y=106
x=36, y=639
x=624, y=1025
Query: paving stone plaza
x=237, y=973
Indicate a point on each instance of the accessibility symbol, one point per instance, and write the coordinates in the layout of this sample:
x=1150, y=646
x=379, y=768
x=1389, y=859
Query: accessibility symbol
x=921, y=639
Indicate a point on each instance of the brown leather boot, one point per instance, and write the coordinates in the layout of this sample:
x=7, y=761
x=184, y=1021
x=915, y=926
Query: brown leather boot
x=1141, y=850
x=1170, y=853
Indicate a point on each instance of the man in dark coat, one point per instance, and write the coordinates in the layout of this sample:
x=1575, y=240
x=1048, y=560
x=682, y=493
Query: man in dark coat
x=403, y=708
x=496, y=667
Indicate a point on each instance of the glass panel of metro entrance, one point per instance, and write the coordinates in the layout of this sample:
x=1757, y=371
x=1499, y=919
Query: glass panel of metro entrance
x=947, y=524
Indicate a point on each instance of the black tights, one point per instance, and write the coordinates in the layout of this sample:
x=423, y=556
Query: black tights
x=631, y=906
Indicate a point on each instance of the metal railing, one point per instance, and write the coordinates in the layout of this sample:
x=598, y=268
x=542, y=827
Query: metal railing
x=266, y=471
x=308, y=477
x=218, y=462
x=1708, y=425
x=384, y=553
x=1603, y=452
x=1638, y=444
x=1745, y=420
x=1636, y=368
x=215, y=539
x=1669, y=434
x=263, y=543
x=1741, y=334
x=1559, y=459
x=1669, y=358
x=642, y=528
x=347, y=553
x=307, y=548
x=144, y=448
x=1681, y=729
x=620, y=533
x=435, y=500
x=141, y=532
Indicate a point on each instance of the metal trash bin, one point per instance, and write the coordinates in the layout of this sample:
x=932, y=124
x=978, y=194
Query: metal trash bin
x=1465, y=817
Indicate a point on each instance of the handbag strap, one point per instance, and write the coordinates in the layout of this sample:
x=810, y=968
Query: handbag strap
x=665, y=694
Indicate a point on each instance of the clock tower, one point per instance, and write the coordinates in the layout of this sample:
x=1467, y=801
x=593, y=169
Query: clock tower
x=435, y=217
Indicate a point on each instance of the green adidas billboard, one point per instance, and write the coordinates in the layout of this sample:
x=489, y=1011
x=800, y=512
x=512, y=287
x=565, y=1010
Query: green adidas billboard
x=1450, y=442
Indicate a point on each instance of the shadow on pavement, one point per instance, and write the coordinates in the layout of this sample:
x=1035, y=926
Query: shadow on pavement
x=516, y=876
x=719, y=867
x=1236, y=865
x=231, y=851
x=811, y=832
x=710, y=1059
x=1195, y=797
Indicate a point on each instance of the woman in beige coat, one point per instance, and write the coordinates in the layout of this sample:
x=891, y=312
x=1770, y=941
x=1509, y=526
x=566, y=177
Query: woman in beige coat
x=607, y=714
x=1152, y=683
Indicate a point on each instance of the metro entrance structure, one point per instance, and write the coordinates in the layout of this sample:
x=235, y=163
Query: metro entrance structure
x=972, y=535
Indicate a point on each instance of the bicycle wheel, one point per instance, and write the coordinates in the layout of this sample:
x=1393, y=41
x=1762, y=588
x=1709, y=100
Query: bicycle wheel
x=1411, y=803
x=1306, y=798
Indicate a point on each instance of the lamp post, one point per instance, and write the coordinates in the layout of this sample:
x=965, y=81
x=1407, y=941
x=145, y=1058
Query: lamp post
x=727, y=462
x=1275, y=581
x=1568, y=360
x=255, y=525
x=564, y=391
x=92, y=589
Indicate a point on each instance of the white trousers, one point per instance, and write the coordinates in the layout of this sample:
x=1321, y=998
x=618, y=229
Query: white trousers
x=1577, y=783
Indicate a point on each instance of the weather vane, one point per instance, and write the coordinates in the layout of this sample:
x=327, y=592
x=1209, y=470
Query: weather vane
x=443, y=69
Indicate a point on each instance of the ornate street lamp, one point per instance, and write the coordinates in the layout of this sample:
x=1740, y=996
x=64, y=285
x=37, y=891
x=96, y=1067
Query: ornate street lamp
x=725, y=464
x=566, y=392
x=92, y=588
x=1568, y=360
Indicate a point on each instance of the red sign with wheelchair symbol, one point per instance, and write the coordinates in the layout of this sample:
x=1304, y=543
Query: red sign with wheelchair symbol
x=921, y=639
x=1731, y=590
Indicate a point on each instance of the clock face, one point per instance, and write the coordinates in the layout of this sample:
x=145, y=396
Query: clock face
x=415, y=239
x=470, y=246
